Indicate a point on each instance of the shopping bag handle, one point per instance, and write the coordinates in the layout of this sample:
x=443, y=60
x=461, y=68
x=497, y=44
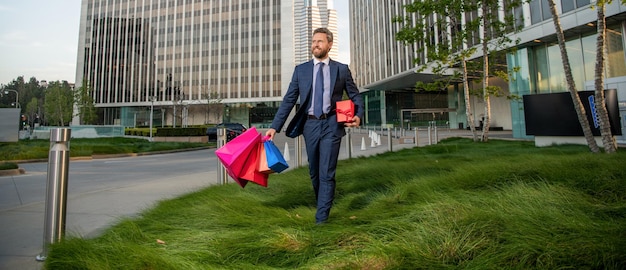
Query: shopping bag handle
x=266, y=138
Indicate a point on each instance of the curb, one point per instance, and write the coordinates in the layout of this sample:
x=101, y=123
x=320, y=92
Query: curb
x=114, y=155
x=12, y=172
x=145, y=153
x=22, y=171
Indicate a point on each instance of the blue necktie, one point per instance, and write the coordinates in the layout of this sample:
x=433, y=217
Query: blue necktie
x=319, y=91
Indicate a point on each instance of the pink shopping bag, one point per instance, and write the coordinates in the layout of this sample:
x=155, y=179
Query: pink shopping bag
x=234, y=154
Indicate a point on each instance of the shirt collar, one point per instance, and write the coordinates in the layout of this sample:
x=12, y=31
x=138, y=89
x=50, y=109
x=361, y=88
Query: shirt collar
x=326, y=61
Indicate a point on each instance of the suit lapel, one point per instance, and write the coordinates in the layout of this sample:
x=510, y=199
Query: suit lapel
x=308, y=76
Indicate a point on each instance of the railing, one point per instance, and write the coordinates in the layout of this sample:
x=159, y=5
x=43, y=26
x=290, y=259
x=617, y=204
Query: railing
x=81, y=131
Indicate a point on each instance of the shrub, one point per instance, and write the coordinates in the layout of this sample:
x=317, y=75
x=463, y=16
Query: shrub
x=177, y=132
x=8, y=166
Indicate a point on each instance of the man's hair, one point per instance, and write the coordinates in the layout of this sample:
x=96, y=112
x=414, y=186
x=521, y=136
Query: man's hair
x=329, y=34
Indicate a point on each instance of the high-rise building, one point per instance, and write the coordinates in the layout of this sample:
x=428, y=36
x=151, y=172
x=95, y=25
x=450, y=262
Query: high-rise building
x=387, y=70
x=195, y=61
x=309, y=15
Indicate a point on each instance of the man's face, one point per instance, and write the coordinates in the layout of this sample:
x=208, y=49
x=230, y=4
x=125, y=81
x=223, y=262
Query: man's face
x=320, y=46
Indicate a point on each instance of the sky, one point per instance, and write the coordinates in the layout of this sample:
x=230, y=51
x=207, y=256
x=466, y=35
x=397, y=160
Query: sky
x=39, y=38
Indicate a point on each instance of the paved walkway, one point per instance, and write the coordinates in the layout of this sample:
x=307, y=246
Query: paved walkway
x=101, y=191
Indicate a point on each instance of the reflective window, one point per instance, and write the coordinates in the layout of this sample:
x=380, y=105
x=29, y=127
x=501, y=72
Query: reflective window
x=575, y=55
x=557, y=74
x=569, y=5
x=539, y=11
x=550, y=75
x=589, y=56
x=616, y=62
x=541, y=63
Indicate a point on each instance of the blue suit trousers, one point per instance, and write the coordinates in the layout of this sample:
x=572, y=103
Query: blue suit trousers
x=322, y=147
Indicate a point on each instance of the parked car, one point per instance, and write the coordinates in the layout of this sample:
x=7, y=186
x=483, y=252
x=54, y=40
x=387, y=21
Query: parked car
x=232, y=130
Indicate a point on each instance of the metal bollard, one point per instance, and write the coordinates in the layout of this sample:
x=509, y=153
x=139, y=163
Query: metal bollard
x=221, y=171
x=56, y=189
x=298, y=150
x=389, y=140
x=416, y=138
x=436, y=136
x=349, y=142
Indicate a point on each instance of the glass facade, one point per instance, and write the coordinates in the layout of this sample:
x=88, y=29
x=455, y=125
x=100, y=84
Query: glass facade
x=581, y=52
x=385, y=66
x=541, y=68
x=616, y=63
x=374, y=52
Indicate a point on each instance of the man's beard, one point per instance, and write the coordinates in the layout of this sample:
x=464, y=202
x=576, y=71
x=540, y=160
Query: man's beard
x=321, y=54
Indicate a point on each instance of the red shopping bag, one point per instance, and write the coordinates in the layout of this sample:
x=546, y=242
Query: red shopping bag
x=234, y=154
x=250, y=171
x=345, y=111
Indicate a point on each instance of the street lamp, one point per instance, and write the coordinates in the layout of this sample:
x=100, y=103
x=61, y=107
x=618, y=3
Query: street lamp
x=152, y=99
x=17, y=97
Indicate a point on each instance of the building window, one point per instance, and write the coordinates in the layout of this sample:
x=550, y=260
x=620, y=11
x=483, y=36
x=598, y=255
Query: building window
x=550, y=76
x=569, y=5
x=539, y=11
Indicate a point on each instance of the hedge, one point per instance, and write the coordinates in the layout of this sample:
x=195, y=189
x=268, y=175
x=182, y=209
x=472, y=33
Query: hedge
x=166, y=132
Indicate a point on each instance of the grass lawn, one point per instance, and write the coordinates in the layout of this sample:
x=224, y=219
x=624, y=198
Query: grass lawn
x=454, y=205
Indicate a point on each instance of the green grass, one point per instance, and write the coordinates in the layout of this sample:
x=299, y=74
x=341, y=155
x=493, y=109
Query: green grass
x=39, y=149
x=454, y=205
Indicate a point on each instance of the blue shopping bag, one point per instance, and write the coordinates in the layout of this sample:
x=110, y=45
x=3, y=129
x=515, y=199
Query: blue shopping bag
x=275, y=159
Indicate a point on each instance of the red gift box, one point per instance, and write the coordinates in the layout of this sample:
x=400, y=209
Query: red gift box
x=345, y=111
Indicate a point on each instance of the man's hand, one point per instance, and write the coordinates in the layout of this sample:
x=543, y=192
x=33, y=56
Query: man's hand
x=270, y=132
x=356, y=121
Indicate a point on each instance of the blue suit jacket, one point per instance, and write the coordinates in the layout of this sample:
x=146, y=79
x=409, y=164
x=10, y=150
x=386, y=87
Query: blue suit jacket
x=301, y=87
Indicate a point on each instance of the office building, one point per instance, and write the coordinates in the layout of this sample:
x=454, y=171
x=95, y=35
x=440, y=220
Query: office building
x=386, y=70
x=194, y=61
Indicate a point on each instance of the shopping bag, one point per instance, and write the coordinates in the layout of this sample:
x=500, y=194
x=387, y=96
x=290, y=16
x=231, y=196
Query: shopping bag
x=345, y=111
x=234, y=154
x=262, y=164
x=250, y=172
x=275, y=159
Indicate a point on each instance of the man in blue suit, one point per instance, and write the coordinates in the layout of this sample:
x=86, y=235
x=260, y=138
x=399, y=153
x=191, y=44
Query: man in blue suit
x=319, y=84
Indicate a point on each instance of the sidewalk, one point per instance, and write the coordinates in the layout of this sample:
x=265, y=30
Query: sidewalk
x=98, y=198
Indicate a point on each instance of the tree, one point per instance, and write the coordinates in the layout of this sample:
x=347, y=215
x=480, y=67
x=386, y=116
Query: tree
x=27, y=92
x=213, y=103
x=32, y=109
x=59, y=103
x=608, y=142
x=446, y=34
x=571, y=85
x=85, y=105
x=441, y=56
